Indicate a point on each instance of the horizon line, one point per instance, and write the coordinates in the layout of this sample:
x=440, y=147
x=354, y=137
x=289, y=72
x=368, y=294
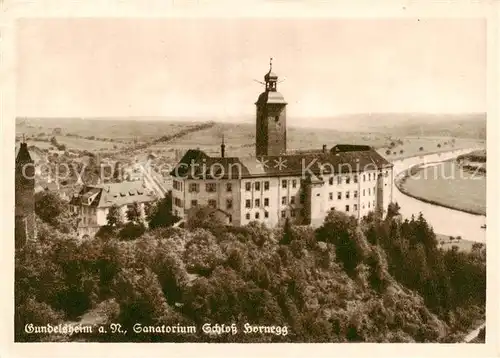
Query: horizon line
x=216, y=118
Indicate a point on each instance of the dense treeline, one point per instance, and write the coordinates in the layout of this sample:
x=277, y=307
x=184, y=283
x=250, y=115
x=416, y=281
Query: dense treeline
x=378, y=281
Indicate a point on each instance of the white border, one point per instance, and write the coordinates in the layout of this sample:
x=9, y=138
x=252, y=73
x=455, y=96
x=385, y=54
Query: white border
x=12, y=10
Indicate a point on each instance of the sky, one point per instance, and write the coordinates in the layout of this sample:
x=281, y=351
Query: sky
x=207, y=67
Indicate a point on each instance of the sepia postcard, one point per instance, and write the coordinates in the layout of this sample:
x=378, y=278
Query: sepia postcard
x=250, y=173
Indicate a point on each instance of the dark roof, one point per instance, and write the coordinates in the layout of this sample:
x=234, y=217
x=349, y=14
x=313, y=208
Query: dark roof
x=271, y=97
x=198, y=165
x=350, y=148
x=23, y=155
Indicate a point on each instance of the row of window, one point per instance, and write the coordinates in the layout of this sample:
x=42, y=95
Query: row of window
x=339, y=180
x=348, y=194
x=293, y=213
x=355, y=206
x=212, y=187
x=213, y=203
x=209, y=187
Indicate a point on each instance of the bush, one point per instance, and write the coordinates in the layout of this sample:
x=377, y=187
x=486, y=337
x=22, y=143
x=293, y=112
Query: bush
x=131, y=231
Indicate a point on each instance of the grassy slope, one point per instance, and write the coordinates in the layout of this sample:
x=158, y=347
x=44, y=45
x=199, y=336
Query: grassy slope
x=449, y=186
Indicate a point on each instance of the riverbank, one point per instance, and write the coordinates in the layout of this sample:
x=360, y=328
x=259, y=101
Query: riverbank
x=439, y=192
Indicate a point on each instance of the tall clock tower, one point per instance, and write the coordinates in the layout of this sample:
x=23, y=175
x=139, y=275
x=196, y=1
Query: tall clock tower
x=271, y=118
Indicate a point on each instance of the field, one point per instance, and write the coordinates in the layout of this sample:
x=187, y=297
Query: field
x=445, y=243
x=382, y=132
x=448, y=185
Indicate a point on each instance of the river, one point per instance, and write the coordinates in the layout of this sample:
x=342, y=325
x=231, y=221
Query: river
x=444, y=221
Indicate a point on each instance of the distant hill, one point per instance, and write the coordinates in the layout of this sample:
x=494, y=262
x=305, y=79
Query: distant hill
x=407, y=124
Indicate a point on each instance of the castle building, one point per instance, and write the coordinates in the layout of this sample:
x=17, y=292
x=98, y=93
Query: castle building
x=25, y=224
x=276, y=185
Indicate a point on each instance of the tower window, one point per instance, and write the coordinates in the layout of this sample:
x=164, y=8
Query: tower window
x=257, y=186
x=266, y=214
x=266, y=201
x=248, y=186
x=283, y=184
x=266, y=185
x=277, y=118
x=257, y=215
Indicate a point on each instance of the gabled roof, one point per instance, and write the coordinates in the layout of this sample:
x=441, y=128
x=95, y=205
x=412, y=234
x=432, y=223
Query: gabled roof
x=198, y=165
x=107, y=195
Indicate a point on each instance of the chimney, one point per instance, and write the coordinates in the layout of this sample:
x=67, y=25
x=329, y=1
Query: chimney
x=324, y=148
x=222, y=148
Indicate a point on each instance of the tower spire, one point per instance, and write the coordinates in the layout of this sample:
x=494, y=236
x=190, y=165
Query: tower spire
x=270, y=64
x=222, y=147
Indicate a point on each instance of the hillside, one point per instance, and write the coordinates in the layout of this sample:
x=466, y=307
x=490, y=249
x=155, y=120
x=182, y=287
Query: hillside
x=383, y=281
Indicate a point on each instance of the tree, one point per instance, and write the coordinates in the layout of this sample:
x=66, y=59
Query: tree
x=53, y=141
x=350, y=243
x=48, y=206
x=160, y=214
x=206, y=218
x=117, y=172
x=132, y=230
x=114, y=216
x=134, y=212
x=203, y=253
x=393, y=210
x=287, y=233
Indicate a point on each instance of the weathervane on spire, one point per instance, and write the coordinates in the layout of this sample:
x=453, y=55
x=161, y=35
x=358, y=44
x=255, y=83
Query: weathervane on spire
x=270, y=64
